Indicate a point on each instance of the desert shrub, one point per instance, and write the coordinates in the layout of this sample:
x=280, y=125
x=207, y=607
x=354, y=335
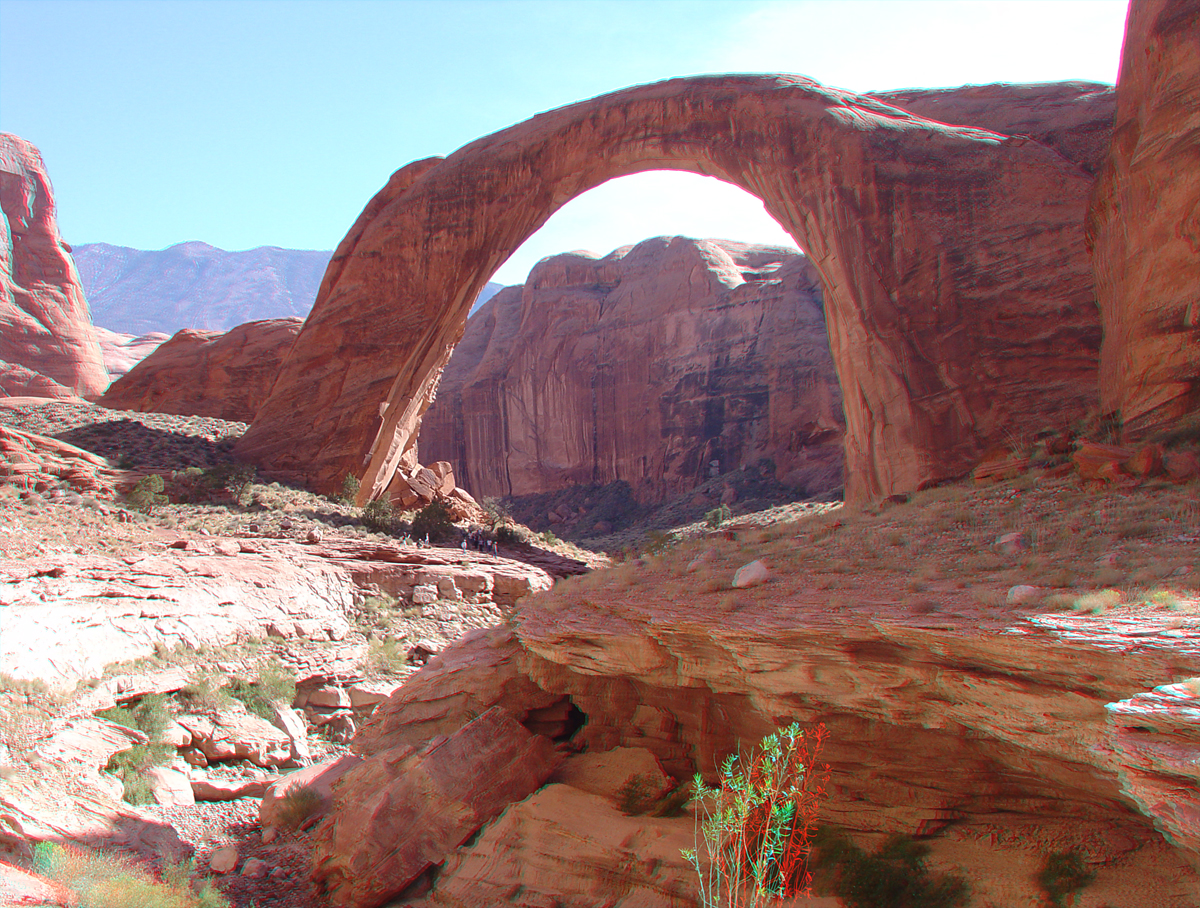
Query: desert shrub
x=130, y=767
x=350, y=487
x=1062, y=877
x=235, y=478
x=275, y=684
x=753, y=835
x=104, y=880
x=717, y=516
x=895, y=876
x=387, y=655
x=507, y=533
x=637, y=795
x=299, y=803
x=379, y=516
x=146, y=494
x=548, y=538
x=205, y=693
x=199, y=486
x=658, y=542
x=149, y=715
x=433, y=521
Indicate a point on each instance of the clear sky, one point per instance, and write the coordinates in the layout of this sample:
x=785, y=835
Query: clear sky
x=273, y=122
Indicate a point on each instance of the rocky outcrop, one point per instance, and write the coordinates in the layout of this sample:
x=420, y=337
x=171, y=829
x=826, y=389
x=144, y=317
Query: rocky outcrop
x=958, y=291
x=660, y=364
x=1053, y=748
x=21, y=381
x=44, y=320
x=1144, y=224
x=124, y=351
x=66, y=617
x=208, y=373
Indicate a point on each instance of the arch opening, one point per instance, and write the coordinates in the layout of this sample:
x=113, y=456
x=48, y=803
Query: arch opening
x=938, y=247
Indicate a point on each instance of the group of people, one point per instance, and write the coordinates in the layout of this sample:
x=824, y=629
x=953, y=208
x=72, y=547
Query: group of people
x=480, y=542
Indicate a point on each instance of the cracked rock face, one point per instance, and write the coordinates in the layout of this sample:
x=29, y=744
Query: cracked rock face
x=45, y=324
x=957, y=287
x=648, y=365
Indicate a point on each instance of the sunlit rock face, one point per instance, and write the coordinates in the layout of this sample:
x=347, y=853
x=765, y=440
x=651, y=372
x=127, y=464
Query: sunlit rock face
x=1144, y=224
x=957, y=288
x=44, y=320
x=659, y=364
x=208, y=373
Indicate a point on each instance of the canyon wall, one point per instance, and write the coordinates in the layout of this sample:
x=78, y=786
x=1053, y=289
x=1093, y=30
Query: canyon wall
x=45, y=324
x=659, y=364
x=957, y=287
x=1144, y=225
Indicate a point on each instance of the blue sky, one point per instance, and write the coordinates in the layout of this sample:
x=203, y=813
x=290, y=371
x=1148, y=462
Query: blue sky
x=273, y=122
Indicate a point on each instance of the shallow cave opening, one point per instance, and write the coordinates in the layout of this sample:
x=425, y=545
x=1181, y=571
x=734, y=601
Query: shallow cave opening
x=559, y=721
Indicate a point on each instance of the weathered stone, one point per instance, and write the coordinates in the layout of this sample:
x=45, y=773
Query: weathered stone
x=403, y=811
x=21, y=887
x=425, y=594
x=170, y=787
x=211, y=789
x=35, y=461
x=1144, y=224
x=232, y=735
x=953, y=260
x=291, y=723
x=224, y=859
x=255, y=868
x=753, y=574
x=122, y=352
x=46, y=323
x=328, y=696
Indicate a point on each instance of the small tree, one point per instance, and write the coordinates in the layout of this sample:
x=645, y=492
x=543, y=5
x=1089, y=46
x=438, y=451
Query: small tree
x=433, y=521
x=754, y=831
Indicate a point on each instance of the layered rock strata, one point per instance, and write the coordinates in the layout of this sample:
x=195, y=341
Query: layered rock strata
x=45, y=324
x=1057, y=733
x=1144, y=224
x=958, y=290
x=659, y=364
x=226, y=375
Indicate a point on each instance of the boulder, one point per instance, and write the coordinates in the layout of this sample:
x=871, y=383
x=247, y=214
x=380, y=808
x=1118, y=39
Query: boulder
x=229, y=789
x=21, y=381
x=1144, y=225
x=224, y=859
x=957, y=286
x=207, y=373
x=238, y=735
x=403, y=811
x=46, y=324
x=170, y=787
x=31, y=461
x=21, y=887
x=291, y=723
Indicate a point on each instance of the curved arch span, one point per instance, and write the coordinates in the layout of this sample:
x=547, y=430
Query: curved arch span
x=958, y=290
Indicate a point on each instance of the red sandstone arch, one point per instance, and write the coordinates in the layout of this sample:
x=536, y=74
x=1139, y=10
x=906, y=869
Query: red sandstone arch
x=958, y=290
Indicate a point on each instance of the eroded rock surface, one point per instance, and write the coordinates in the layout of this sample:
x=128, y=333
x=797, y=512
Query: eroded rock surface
x=660, y=364
x=207, y=373
x=124, y=351
x=45, y=324
x=958, y=290
x=1021, y=711
x=1144, y=224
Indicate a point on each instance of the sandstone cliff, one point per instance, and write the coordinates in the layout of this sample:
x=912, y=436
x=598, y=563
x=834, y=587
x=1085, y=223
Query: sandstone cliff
x=659, y=364
x=1144, y=224
x=957, y=287
x=207, y=373
x=44, y=320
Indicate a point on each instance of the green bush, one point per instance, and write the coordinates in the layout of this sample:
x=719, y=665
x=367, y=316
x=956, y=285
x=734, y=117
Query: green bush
x=350, y=487
x=104, y=880
x=146, y=494
x=717, y=516
x=507, y=533
x=753, y=834
x=299, y=803
x=433, y=521
x=895, y=876
x=205, y=693
x=275, y=684
x=379, y=516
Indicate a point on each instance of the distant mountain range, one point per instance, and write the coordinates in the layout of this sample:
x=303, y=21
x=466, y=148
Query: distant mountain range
x=195, y=285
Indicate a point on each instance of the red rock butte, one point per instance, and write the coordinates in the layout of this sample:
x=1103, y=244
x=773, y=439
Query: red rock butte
x=958, y=288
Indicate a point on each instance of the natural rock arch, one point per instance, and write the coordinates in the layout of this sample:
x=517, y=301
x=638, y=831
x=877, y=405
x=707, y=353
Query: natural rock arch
x=958, y=290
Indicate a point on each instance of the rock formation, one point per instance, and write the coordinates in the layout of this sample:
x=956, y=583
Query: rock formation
x=659, y=364
x=1051, y=748
x=208, y=373
x=124, y=351
x=44, y=320
x=958, y=291
x=1144, y=224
